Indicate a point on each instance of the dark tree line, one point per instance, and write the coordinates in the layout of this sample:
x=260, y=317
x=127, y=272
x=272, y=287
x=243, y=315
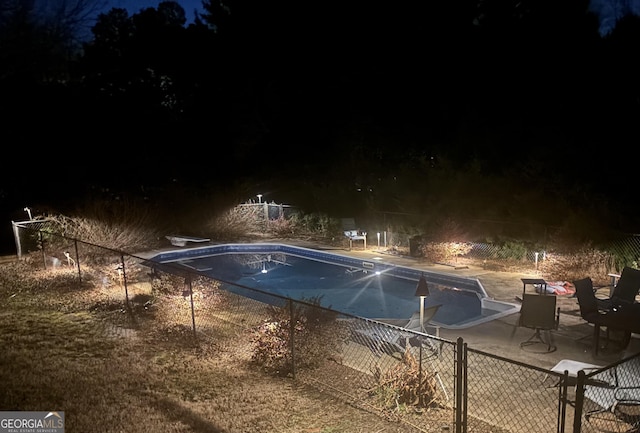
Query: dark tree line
x=474, y=108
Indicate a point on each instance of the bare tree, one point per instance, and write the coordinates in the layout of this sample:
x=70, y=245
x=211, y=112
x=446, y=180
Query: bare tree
x=39, y=37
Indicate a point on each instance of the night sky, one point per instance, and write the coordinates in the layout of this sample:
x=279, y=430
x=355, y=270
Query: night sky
x=608, y=11
x=135, y=6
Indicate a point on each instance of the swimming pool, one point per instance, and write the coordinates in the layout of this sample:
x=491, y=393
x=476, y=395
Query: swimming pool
x=366, y=288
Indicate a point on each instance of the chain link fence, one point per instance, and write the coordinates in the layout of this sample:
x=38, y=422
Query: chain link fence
x=608, y=399
x=413, y=377
x=496, y=245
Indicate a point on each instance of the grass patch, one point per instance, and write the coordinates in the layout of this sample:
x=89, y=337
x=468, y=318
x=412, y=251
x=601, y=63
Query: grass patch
x=62, y=353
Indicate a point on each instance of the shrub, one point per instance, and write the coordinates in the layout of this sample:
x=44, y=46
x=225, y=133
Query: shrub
x=237, y=223
x=623, y=254
x=573, y=265
x=444, y=252
x=164, y=283
x=319, y=225
x=282, y=227
x=511, y=250
x=118, y=226
x=315, y=333
x=406, y=384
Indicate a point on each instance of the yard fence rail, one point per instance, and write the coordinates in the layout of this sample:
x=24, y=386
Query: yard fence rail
x=420, y=379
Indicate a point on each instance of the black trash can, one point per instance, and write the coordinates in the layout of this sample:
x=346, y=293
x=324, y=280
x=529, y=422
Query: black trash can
x=414, y=246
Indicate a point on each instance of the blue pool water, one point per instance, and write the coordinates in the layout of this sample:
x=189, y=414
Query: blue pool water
x=370, y=289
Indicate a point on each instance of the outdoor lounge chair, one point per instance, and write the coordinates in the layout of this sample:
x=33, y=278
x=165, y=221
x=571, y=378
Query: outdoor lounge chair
x=616, y=391
x=393, y=339
x=396, y=341
x=624, y=292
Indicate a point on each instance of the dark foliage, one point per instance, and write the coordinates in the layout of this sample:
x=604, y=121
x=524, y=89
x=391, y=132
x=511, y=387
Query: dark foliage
x=471, y=110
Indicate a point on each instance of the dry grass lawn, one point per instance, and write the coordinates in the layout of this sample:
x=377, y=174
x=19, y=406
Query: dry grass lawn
x=61, y=353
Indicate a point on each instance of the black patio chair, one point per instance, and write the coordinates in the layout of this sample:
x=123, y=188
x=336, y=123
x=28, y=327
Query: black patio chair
x=619, y=318
x=539, y=312
x=623, y=293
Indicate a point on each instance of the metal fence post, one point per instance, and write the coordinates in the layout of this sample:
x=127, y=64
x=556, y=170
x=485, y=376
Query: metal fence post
x=16, y=237
x=44, y=256
x=292, y=329
x=577, y=413
x=124, y=282
x=562, y=401
x=193, y=312
x=460, y=388
x=75, y=244
x=420, y=399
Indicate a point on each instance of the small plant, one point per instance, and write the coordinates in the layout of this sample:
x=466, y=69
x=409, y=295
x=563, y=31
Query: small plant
x=313, y=331
x=282, y=227
x=444, y=252
x=511, y=250
x=405, y=384
x=164, y=283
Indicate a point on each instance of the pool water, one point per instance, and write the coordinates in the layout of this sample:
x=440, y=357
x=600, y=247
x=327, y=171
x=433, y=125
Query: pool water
x=344, y=284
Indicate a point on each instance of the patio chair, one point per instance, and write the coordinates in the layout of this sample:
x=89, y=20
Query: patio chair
x=353, y=233
x=623, y=293
x=617, y=391
x=590, y=310
x=618, y=319
x=539, y=312
x=393, y=340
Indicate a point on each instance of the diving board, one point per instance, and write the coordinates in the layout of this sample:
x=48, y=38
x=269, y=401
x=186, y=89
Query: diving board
x=181, y=241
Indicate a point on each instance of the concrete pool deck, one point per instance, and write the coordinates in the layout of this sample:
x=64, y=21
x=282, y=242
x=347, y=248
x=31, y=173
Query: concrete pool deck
x=573, y=339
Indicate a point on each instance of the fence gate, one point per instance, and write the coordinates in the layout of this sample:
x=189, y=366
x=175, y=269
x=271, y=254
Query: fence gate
x=32, y=238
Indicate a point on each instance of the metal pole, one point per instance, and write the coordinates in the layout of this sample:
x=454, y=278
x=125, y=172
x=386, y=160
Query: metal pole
x=16, y=236
x=459, y=388
x=422, y=314
x=193, y=313
x=292, y=329
x=124, y=282
x=562, y=401
x=44, y=256
x=75, y=244
x=420, y=399
x=577, y=413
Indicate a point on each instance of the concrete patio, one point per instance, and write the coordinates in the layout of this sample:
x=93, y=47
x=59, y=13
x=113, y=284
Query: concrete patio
x=573, y=338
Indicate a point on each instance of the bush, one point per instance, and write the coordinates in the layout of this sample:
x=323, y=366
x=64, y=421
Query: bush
x=237, y=223
x=573, y=265
x=511, y=250
x=406, y=384
x=444, y=252
x=315, y=333
x=282, y=227
x=118, y=226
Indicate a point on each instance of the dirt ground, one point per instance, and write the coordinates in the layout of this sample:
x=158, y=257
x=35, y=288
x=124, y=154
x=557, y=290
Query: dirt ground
x=164, y=383
x=101, y=370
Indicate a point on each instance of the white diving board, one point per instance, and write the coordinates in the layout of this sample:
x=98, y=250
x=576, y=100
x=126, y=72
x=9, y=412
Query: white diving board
x=181, y=241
